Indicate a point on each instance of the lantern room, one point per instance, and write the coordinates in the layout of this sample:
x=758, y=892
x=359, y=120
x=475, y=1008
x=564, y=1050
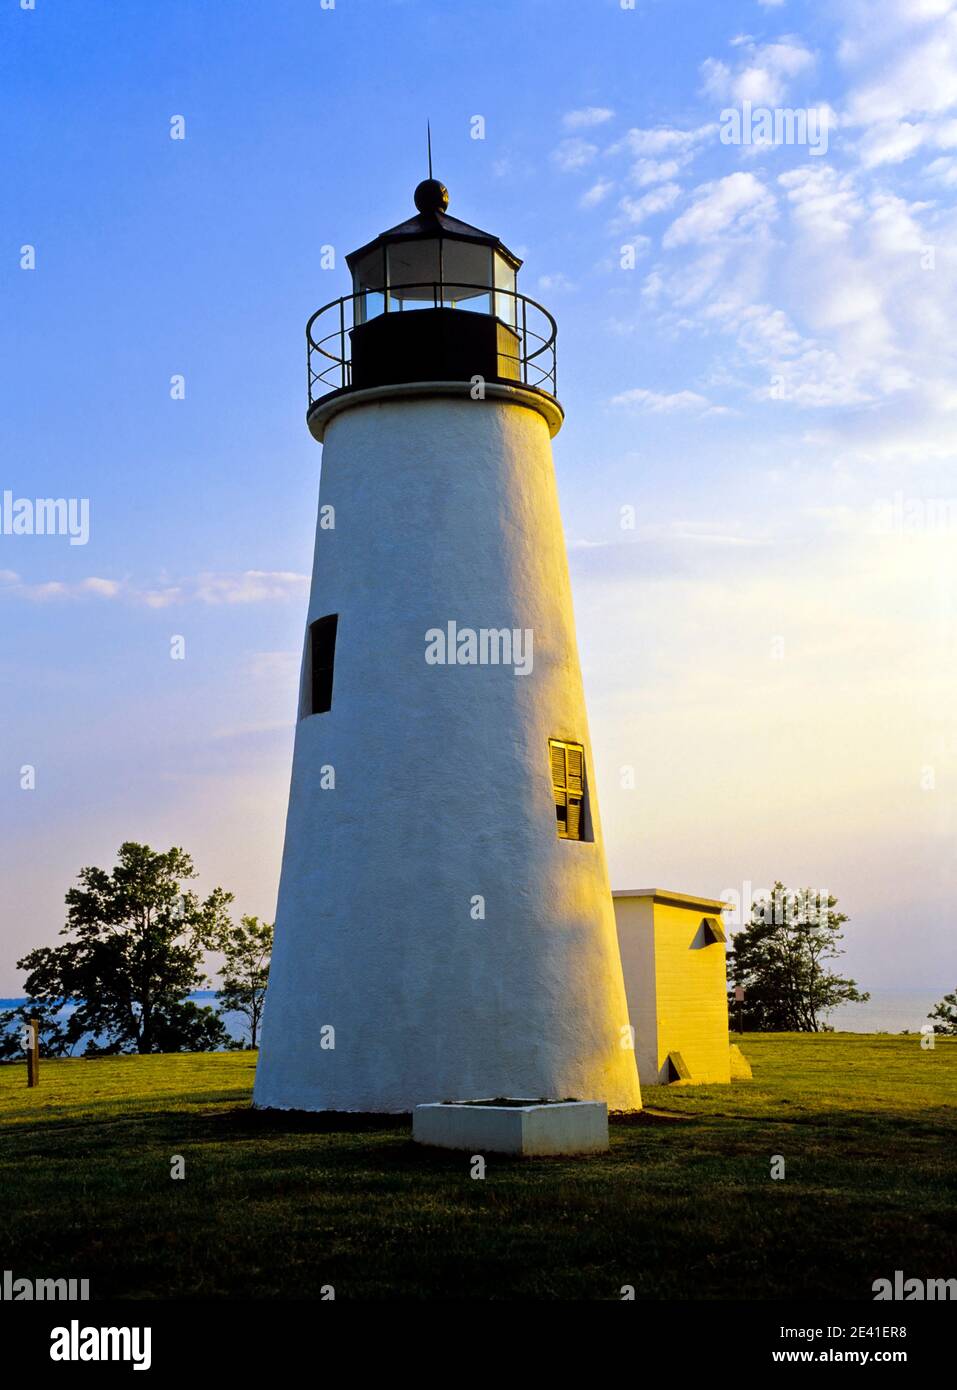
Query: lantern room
x=434, y=300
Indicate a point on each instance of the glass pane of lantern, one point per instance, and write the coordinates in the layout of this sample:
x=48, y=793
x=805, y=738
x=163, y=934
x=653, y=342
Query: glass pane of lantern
x=413, y=274
x=368, y=278
x=467, y=275
x=367, y=281
x=504, y=280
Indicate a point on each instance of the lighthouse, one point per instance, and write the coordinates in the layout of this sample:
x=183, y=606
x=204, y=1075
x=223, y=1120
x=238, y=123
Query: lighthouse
x=445, y=927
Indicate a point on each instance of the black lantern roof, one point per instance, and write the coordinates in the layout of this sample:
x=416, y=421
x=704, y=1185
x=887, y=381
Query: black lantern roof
x=432, y=220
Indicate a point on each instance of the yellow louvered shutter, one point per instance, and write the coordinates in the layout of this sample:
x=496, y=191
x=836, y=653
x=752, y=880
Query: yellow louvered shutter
x=576, y=768
x=568, y=787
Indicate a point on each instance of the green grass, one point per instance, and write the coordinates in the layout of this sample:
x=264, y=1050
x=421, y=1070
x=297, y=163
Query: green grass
x=683, y=1205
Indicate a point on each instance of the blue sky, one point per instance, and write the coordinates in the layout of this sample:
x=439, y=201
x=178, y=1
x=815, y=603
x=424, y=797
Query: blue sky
x=770, y=386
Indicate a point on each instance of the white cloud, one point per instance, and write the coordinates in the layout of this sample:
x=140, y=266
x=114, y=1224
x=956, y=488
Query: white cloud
x=587, y=117
x=636, y=210
x=11, y=583
x=944, y=170
x=761, y=73
x=664, y=139
x=559, y=281
x=891, y=142
x=902, y=94
x=106, y=588
x=892, y=228
x=574, y=154
x=648, y=171
x=661, y=152
x=912, y=76
x=716, y=78
x=275, y=666
x=658, y=403
x=825, y=204
x=250, y=586
x=596, y=194
x=162, y=598
x=839, y=305
x=736, y=202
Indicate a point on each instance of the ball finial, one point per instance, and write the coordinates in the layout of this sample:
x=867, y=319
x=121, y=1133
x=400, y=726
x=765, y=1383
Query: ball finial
x=431, y=196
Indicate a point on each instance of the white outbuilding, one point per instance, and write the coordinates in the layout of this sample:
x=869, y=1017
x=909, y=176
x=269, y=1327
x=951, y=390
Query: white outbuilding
x=673, y=956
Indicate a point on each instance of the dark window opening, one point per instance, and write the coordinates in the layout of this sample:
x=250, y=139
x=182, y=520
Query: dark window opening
x=568, y=788
x=322, y=641
x=676, y=1068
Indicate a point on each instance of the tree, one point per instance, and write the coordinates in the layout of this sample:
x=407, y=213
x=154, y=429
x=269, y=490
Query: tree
x=135, y=951
x=780, y=958
x=13, y=1022
x=245, y=972
x=944, y=1016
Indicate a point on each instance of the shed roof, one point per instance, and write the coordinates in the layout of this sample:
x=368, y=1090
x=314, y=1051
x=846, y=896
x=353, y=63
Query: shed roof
x=673, y=898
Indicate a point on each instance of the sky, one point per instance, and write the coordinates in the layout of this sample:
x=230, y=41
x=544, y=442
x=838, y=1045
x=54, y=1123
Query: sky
x=755, y=357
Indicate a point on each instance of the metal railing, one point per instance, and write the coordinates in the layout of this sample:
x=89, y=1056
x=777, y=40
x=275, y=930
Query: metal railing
x=329, y=361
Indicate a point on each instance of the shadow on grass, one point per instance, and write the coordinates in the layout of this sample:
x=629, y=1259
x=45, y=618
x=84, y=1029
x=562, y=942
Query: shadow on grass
x=351, y=1122
x=626, y=1119
x=249, y=1120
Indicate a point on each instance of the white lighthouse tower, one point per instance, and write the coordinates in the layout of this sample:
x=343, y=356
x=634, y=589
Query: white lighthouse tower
x=445, y=928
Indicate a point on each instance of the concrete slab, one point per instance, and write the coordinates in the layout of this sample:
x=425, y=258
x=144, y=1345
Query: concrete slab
x=514, y=1126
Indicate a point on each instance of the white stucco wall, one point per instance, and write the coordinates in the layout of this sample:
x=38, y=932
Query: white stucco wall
x=636, y=941
x=445, y=509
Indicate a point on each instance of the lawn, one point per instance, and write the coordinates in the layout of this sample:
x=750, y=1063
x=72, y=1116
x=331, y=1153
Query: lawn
x=682, y=1207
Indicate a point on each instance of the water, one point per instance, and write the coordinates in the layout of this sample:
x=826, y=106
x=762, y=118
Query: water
x=235, y=1024
x=888, y=1011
